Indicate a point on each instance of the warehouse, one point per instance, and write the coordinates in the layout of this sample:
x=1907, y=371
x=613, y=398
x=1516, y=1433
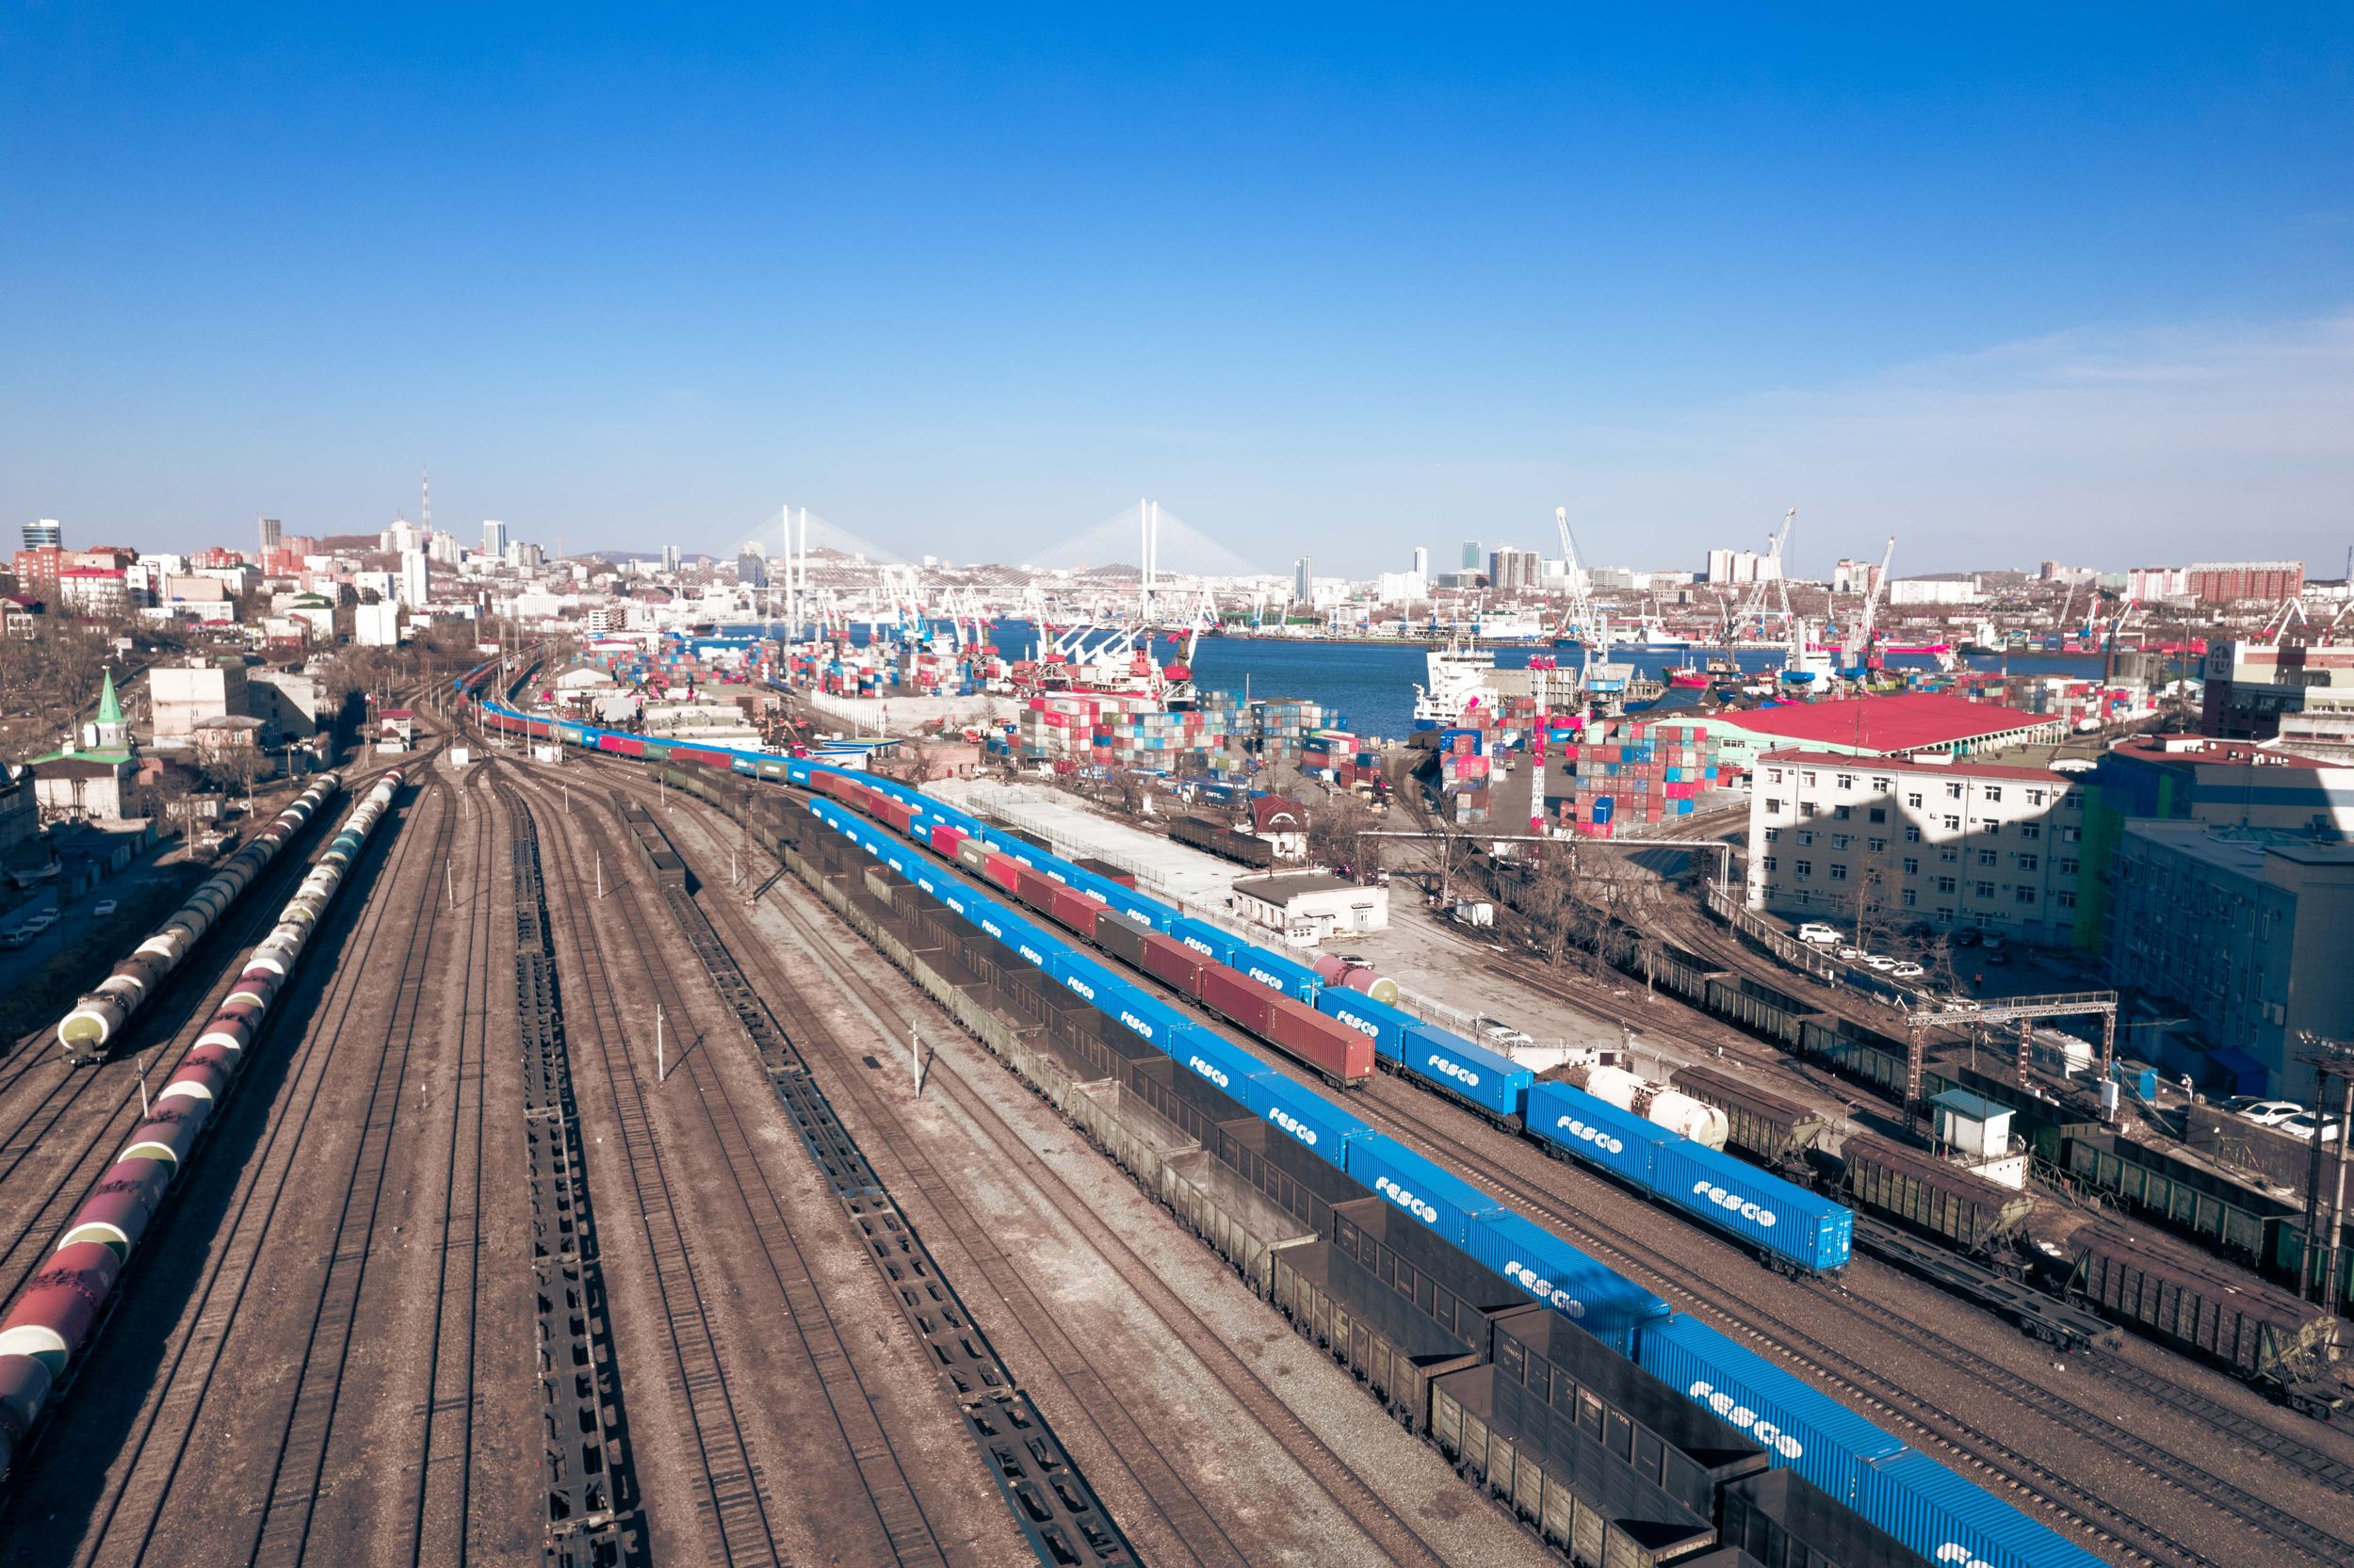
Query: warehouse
x=1307, y=907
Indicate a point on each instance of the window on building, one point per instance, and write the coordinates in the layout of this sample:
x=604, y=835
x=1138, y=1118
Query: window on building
x=1773, y=834
x=1879, y=813
x=1986, y=857
x=1806, y=808
x=1806, y=835
x=1912, y=835
x=1910, y=899
x=1990, y=824
x=1772, y=775
x=1984, y=890
x=2025, y=895
x=1913, y=799
x=1912, y=867
x=1843, y=813
x=1807, y=779
x=1953, y=792
x=2029, y=862
x=1952, y=824
x=1771, y=862
x=2065, y=866
x=1804, y=868
x=1772, y=805
x=1839, y=841
x=1838, y=871
x=1945, y=884
x=1881, y=786
x=2071, y=836
x=1949, y=855
x=1846, y=781
x=2071, y=802
x=2065, y=898
x=2031, y=829
x=1995, y=792
x=1878, y=845
x=2034, y=797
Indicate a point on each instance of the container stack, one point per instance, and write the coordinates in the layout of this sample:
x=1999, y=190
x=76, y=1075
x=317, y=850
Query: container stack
x=1463, y=771
x=1641, y=772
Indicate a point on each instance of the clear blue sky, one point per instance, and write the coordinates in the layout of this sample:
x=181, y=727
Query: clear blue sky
x=2008, y=283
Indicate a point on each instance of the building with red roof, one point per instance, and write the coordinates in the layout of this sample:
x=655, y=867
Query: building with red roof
x=1908, y=724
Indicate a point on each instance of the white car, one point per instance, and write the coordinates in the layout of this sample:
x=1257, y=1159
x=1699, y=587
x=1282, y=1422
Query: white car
x=2265, y=1113
x=1848, y=955
x=1881, y=961
x=1908, y=971
x=101, y=909
x=2306, y=1124
x=1817, y=934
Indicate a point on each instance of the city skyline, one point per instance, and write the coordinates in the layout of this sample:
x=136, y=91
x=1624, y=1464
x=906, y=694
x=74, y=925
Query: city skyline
x=1329, y=293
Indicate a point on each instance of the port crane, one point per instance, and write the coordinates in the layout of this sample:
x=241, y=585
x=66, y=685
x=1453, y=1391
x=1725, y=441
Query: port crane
x=1859, y=657
x=1580, y=613
x=1754, y=610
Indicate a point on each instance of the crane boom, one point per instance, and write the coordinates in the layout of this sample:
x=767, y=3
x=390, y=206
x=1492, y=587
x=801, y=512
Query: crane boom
x=1581, y=602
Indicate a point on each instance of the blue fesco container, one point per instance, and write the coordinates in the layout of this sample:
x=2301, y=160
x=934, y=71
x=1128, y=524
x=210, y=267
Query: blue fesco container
x=1016, y=934
x=1605, y=1304
x=1800, y=1428
x=1307, y=1117
x=1383, y=1025
x=1595, y=1132
x=1225, y=1065
x=1396, y=1174
x=1949, y=1519
x=1155, y=1023
x=1204, y=939
x=1453, y=1063
x=1812, y=1230
x=1276, y=972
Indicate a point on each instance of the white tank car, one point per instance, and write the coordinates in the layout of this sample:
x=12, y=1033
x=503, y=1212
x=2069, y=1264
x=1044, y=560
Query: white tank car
x=1659, y=1104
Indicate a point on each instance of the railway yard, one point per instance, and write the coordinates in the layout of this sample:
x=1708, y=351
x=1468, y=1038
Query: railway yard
x=634, y=1170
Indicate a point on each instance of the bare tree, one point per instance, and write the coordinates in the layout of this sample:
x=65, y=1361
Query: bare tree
x=231, y=760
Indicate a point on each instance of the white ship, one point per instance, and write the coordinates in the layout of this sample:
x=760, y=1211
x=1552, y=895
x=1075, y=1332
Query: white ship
x=1458, y=673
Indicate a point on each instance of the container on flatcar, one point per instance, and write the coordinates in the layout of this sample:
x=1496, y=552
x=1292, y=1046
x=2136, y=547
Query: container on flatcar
x=1397, y=1175
x=1783, y=1517
x=1331, y=1047
x=1800, y=1429
x=1793, y=1224
x=1227, y=994
x=1473, y=1073
x=1591, y=1295
x=1948, y=1519
x=1379, y=1022
x=1175, y=964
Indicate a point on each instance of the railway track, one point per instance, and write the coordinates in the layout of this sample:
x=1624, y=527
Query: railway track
x=734, y=1495
x=165, y=1434
x=1083, y=1376
x=1893, y=1398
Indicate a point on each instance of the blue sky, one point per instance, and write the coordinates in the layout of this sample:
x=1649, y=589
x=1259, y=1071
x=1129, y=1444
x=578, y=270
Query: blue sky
x=2005, y=282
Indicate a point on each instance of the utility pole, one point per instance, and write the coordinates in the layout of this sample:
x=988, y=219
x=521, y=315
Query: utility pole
x=2324, y=1222
x=661, y=1069
x=916, y=1056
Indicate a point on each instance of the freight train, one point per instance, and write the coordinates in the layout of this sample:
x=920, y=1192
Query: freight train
x=1933, y=1513
x=97, y=1017
x=52, y=1319
x=1546, y=1377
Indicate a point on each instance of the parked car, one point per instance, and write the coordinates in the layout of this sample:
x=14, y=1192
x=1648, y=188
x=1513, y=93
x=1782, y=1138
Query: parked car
x=101, y=909
x=1992, y=942
x=2306, y=1124
x=17, y=938
x=1908, y=971
x=1969, y=936
x=1881, y=961
x=39, y=923
x=1848, y=955
x=1818, y=934
x=2264, y=1112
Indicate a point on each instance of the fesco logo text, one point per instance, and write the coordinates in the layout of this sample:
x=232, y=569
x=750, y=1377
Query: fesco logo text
x=1422, y=1208
x=1135, y=1023
x=1365, y=1026
x=1594, y=1136
x=1544, y=1289
x=1708, y=1192
x=992, y=928
x=1033, y=954
x=1456, y=1071
x=1198, y=946
x=1741, y=1416
x=1271, y=982
x=1960, y=1556
x=1081, y=986
x=1293, y=1125
x=1207, y=1070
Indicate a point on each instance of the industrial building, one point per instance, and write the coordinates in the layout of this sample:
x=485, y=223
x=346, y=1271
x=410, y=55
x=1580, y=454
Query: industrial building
x=1951, y=843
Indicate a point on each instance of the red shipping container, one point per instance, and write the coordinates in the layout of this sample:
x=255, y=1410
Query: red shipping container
x=1172, y=962
x=1005, y=874
x=1232, y=995
x=1075, y=910
x=1036, y=889
x=1329, y=1046
x=945, y=839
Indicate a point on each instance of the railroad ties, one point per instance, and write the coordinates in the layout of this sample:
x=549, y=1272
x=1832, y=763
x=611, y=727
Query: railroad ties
x=594, y=1519
x=1050, y=1499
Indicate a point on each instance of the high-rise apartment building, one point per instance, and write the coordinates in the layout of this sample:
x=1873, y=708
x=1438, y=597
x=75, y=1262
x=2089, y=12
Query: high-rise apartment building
x=1471, y=555
x=1304, y=581
x=1422, y=561
x=494, y=539
x=270, y=535
x=47, y=534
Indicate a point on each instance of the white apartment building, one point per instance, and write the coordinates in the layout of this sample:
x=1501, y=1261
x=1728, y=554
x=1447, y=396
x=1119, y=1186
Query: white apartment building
x=1950, y=843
